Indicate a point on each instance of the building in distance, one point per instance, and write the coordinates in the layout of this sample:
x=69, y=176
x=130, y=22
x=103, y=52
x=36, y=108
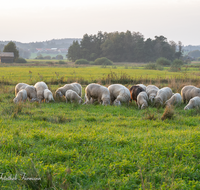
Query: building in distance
x=6, y=57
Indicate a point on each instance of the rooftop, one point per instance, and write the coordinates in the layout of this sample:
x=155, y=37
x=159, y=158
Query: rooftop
x=6, y=54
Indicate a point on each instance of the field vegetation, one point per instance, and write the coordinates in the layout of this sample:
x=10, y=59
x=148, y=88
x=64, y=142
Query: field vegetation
x=71, y=146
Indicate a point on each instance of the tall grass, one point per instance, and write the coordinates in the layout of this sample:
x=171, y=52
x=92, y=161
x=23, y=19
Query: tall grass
x=59, y=76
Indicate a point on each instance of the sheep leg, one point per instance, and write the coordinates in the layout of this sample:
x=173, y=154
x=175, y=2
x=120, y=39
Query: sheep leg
x=86, y=101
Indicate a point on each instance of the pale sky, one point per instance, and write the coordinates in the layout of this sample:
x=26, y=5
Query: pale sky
x=41, y=20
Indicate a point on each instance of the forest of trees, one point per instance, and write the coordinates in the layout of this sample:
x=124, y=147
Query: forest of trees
x=124, y=46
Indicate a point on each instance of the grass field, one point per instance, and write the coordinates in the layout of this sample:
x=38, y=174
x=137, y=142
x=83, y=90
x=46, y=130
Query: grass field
x=71, y=146
x=121, y=74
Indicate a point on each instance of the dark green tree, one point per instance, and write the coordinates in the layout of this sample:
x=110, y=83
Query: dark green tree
x=138, y=47
x=149, y=55
x=74, y=51
x=87, y=47
x=162, y=48
x=123, y=46
x=179, y=53
x=11, y=47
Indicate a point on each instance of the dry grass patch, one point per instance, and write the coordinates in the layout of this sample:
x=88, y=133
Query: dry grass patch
x=168, y=113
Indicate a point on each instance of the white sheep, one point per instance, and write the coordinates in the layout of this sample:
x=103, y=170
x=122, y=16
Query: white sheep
x=72, y=96
x=40, y=87
x=31, y=92
x=19, y=87
x=162, y=96
x=21, y=96
x=119, y=94
x=97, y=92
x=152, y=92
x=142, y=100
x=142, y=85
x=73, y=86
x=48, y=96
x=176, y=99
x=188, y=92
x=193, y=103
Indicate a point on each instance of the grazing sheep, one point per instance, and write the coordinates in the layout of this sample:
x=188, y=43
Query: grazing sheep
x=21, y=96
x=72, y=96
x=48, y=96
x=142, y=100
x=193, y=103
x=162, y=96
x=152, y=92
x=188, y=92
x=142, y=85
x=19, y=87
x=40, y=87
x=119, y=93
x=97, y=92
x=176, y=99
x=31, y=92
x=134, y=91
x=73, y=86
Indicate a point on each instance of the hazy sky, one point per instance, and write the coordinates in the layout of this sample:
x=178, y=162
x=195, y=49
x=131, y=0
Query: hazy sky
x=40, y=20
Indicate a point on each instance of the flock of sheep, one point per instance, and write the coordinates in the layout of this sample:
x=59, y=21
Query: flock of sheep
x=115, y=94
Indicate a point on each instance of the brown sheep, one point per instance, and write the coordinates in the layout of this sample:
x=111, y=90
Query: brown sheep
x=135, y=90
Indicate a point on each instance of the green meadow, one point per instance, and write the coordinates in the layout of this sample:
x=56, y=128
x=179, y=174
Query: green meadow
x=31, y=75
x=69, y=146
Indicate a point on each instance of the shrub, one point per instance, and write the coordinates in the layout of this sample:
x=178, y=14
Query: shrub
x=151, y=66
x=47, y=57
x=176, y=65
x=177, y=62
x=163, y=61
x=62, y=62
x=103, y=61
x=21, y=60
x=81, y=62
x=92, y=63
x=59, y=57
x=39, y=56
x=49, y=62
x=159, y=67
x=174, y=69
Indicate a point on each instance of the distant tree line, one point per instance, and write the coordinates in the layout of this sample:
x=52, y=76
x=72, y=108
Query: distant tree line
x=124, y=46
x=39, y=56
x=25, y=49
x=194, y=54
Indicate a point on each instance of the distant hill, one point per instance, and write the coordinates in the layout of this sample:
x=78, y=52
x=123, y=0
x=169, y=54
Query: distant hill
x=190, y=48
x=25, y=49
